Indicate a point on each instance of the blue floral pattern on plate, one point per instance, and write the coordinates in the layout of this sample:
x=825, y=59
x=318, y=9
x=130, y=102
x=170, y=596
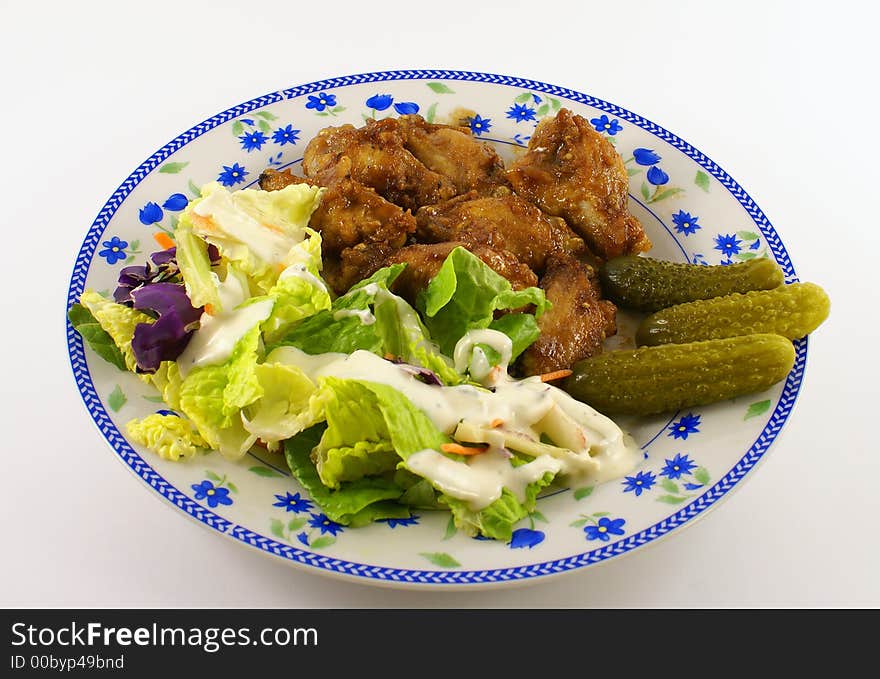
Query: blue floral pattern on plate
x=685, y=426
x=114, y=250
x=660, y=171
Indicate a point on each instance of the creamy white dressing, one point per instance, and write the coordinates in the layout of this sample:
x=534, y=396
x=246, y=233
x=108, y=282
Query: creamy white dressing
x=232, y=291
x=480, y=480
x=514, y=415
x=468, y=356
x=299, y=270
x=217, y=335
x=309, y=364
x=365, y=315
x=268, y=242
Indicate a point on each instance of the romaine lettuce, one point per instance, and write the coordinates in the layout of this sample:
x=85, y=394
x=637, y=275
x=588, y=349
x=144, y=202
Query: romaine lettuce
x=195, y=266
x=355, y=502
x=283, y=409
x=464, y=295
x=299, y=292
x=169, y=436
x=497, y=520
x=256, y=230
x=95, y=336
x=116, y=320
x=370, y=428
x=212, y=396
x=372, y=318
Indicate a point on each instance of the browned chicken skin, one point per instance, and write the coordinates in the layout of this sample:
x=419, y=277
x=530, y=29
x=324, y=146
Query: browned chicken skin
x=454, y=153
x=576, y=325
x=424, y=261
x=572, y=171
x=275, y=180
x=502, y=222
x=355, y=264
x=375, y=155
x=570, y=187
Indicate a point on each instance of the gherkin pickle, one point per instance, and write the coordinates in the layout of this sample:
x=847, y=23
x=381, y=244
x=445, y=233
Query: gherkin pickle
x=649, y=284
x=790, y=310
x=664, y=378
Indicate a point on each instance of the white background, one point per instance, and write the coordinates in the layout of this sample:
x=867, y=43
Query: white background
x=782, y=96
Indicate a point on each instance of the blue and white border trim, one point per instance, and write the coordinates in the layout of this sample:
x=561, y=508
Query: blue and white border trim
x=437, y=577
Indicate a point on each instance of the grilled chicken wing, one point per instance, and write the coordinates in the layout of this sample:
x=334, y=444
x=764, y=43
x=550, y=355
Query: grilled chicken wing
x=273, y=180
x=578, y=322
x=454, y=153
x=375, y=155
x=355, y=264
x=424, y=261
x=572, y=171
x=502, y=222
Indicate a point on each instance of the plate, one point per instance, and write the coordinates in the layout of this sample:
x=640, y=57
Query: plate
x=691, y=209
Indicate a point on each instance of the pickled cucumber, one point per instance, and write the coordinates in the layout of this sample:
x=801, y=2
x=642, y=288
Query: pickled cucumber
x=651, y=284
x=653, y=380
x=790, y=310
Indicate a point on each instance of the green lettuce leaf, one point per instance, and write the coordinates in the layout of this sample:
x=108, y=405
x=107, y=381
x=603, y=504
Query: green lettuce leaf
x=372, y=318
x=195, y=266
x=497, y=520
x=169, y=436
x=384, y=276
x=522, y=329
x=212, y=396
x=296, y=298
x=355, y=502
x=332, y=331
x=370, y=411
x=406, y=337
x=95, y=336
x=255, y=230
x=283, y=409
x=116, y=320
x=370, y=428
x=464, y=295
x=167, y=380
x=349, y=463
x=421, y=495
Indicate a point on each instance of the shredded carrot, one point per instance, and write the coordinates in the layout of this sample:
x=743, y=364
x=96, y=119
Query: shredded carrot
x=203, y=223
x=497, y=422
x=209, y=309
x=459, y=449
x=555, y=375
x=389, y=357
x=163, y=239
x=272, y=227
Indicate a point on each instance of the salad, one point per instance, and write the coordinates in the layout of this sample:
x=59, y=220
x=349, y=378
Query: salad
x=380, y=407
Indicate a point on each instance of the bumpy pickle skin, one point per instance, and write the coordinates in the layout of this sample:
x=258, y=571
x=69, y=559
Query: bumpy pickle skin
x=652, y=380
x=792, y=311
x=649, y=284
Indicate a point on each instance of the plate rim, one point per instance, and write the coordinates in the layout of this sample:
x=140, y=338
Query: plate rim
x=330, y=565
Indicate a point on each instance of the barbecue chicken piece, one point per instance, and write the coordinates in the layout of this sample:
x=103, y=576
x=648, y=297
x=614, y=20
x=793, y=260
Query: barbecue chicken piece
x=578, y=322
x=275, y=180
x=375, y=155
x=503, y=222
x=354, y=264
x=572, y=171
x=454, y=153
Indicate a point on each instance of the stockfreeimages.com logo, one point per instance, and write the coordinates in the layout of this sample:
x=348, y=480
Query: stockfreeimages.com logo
x=209, y=639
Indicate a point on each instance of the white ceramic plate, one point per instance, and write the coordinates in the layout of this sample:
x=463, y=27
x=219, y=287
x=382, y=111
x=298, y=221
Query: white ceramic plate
x=692, y=211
